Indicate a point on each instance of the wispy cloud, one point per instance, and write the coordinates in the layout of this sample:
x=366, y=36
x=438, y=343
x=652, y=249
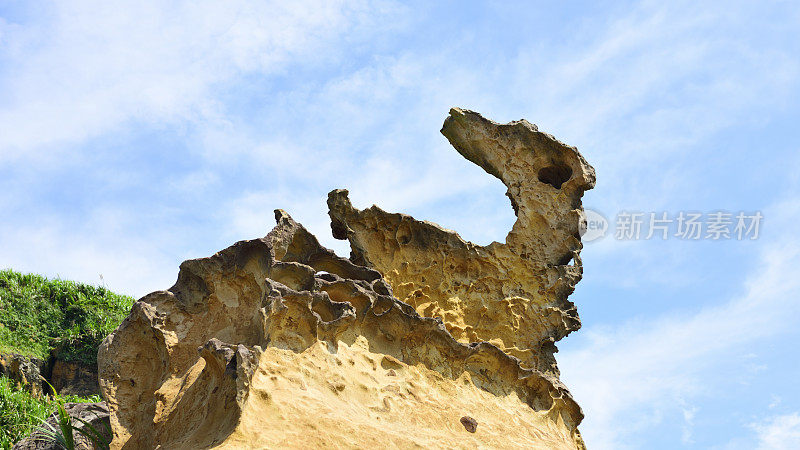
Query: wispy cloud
x=778, y=432
x=82, y=81
x=102, y=246
x=94, y=67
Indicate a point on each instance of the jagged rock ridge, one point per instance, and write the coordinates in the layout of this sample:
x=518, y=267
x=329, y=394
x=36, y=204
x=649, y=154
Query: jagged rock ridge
x=278, y=342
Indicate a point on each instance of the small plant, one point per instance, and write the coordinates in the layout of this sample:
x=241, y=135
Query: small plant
x=63, y=433
x=22, y=414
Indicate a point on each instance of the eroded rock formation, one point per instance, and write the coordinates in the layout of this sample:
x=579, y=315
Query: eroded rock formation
x=73, y=378
x=420, y=339
x=514, y=294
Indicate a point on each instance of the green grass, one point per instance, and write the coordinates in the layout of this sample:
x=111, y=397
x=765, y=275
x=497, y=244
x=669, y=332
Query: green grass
x=39, y=315
x=21, y=413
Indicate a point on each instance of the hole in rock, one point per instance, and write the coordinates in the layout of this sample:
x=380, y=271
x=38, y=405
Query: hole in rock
x=566, y=259
x=555, y=175
x=468, y=201
x=327, y=276
x=324, y=309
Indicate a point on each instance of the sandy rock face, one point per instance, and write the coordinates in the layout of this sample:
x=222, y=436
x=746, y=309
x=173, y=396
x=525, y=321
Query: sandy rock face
x=277, y=342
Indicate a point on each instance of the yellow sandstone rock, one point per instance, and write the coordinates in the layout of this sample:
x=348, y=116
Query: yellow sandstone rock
x=279, y=343
x=512, y=294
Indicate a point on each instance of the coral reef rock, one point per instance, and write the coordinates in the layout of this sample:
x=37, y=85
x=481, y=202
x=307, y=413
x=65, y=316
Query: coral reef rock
x=420, y=339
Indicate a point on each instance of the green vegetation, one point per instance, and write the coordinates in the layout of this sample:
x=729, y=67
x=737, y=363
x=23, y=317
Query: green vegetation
x=38, y=315
x=21, y=413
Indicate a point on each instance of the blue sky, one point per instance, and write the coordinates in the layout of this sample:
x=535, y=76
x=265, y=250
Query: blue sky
x=136, y=135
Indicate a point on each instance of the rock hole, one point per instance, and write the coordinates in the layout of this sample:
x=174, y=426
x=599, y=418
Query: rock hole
x=555, y=175
x=403, y=235
x=327, y=276
x=382, y=287
x=566, y=259
x=323, y=310
x=382, y=305
x=469, y=423
x=338, y=229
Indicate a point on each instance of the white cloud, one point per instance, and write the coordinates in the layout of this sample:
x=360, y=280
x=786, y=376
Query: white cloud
x=688, y=422
x=94, y=66
x=779, y=432
x=87, y=69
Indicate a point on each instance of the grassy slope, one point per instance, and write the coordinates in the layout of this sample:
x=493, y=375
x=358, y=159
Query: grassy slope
x=38, y=315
